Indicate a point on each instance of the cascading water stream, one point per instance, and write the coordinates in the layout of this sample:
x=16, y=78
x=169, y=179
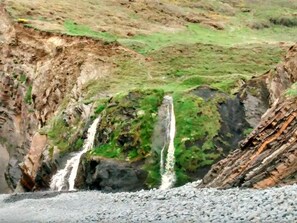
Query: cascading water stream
x=67, y=175
x=167, y=173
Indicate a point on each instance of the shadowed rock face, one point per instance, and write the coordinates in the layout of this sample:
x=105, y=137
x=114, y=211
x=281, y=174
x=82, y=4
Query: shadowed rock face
x=268, y=156
x=110, y=175
x=37, y=71
x=4, y=157
x=233, y=122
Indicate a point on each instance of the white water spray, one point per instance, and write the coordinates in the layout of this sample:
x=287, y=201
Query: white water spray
x=68, y=174
x=167, y=172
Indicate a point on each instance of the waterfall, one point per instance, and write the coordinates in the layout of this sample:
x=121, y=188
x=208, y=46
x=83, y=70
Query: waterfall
x=167, y=172
x=65, y=178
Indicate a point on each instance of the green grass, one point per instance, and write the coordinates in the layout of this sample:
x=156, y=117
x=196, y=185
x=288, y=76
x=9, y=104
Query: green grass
x=28, y=96
x=211, y=60
x=78, y=144
x=100, y=108
x=82, y=30
x=195, y=33
x=22, y=78
x=59, y=134
x=67, y=138
x=292, y=91
x=184, y=66
x=109, y=150
x=196, y=120
x=131, y=134
x=130, y=120
x=288, y=21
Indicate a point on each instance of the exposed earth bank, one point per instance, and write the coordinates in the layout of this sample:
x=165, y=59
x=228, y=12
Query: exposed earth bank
x=183, y=204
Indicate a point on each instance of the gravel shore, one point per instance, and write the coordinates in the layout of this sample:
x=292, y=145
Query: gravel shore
x=183, y=204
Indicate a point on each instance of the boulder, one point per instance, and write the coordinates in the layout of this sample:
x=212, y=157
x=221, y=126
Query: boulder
x=110, y=175
x=32, y=161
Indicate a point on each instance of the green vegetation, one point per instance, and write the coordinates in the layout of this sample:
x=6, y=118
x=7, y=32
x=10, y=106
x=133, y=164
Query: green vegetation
x=289, y=21
x=198, y=122
x=292, y=91
x=28, y=96
x=199, y=34
x=109, y=150
x=78, y=144
x=220, y=67
x=127, y=126
x=81, y=30
x=66, y=138
x=22, y=78
x=152, y=166
x=99, y=109
x=59, y=134
x=164, y=51
x=247, y=131
x=131, y=118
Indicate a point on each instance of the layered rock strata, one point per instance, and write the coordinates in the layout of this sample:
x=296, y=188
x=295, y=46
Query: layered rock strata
x=268, y=156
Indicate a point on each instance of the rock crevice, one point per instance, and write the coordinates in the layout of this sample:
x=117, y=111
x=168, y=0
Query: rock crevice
x=268, y=156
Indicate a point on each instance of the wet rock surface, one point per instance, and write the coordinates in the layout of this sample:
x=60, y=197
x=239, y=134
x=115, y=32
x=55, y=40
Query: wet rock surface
x=183, y=204
x=254, y=96
x=233, y=122
x=110, y=175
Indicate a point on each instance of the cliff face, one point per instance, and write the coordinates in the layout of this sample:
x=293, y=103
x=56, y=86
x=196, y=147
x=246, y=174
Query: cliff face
x=46, y=80
x=268, y=156
x=16, y=121
x=39, y=72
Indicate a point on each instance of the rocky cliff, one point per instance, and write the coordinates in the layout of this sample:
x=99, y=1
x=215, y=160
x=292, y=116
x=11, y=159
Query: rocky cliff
x=40, y=71
x=52, y=85
x=267, y=157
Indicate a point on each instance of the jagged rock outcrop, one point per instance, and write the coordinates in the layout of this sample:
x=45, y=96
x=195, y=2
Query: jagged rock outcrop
x=260, y=93
x=268, y=156
x=45, y=75
x=31, y=163
x=110, y=175
x=233, y=124
x=16, y=120
x=40, y=71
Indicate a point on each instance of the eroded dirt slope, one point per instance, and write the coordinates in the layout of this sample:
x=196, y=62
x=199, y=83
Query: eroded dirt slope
x=41, y=71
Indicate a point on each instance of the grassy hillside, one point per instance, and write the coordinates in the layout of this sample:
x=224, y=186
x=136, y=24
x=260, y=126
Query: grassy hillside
x=173, y=46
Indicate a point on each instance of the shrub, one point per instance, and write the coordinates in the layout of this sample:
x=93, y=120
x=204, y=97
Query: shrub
x=28, y=96
x=288, y=21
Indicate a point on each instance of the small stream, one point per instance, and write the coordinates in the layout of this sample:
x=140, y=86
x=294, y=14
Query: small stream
x=168, y=176
x=64, y=179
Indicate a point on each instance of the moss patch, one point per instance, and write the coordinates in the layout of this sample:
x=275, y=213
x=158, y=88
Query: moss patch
x=197, y=123
x=127, y=125
x=67, y=138
x=28, y=96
